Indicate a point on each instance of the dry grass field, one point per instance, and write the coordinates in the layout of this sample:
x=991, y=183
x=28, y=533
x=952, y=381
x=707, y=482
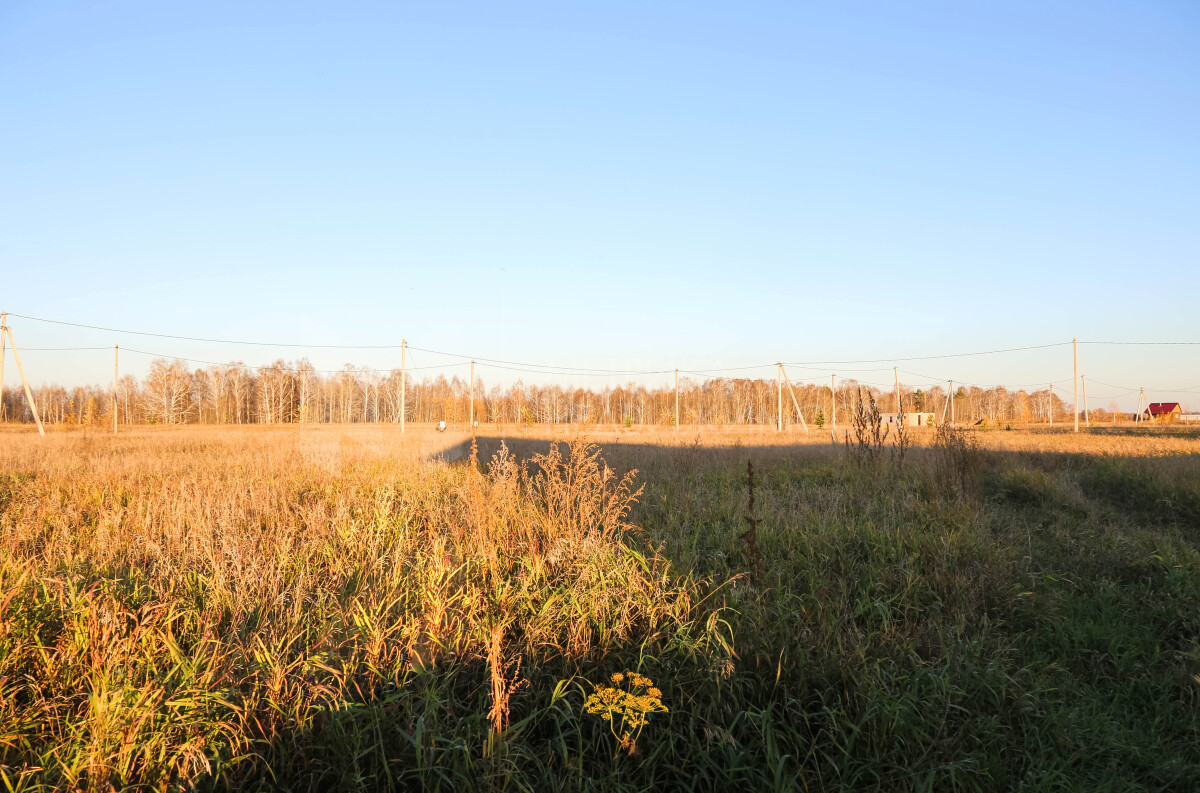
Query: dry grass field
x=343, y=607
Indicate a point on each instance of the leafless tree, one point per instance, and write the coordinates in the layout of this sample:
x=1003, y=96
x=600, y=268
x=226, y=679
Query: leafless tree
x=165, y=393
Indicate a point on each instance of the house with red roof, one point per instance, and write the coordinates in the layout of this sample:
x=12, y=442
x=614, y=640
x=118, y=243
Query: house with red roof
x=1162, y=412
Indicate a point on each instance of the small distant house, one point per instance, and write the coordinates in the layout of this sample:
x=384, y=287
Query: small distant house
x=1162, y=412
x=910, y=419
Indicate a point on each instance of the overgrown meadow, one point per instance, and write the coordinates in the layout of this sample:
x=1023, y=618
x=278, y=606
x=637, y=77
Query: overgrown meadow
x=341, y=608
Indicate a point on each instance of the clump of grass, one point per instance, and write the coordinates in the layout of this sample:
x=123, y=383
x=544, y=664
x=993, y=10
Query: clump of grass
x=1135, y=487
x=164, y=624
x=957, y=461
x=1025, y=488
x=866, y=420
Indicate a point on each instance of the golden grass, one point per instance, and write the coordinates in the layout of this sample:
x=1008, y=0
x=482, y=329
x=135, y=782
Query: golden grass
x=1121, y=441
x=173, y=599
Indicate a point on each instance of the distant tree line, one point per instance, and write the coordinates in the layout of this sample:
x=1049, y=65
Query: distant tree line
x=295, y=393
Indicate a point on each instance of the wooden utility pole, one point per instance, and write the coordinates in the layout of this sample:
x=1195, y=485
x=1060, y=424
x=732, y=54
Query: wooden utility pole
x=832, y=401
x=403, y=395
x=1143, y=405
x=779, y=408
x=896, y=374
x=471, y=412
x=1087, y=419
x=951, y=401
x=3, y=354
x=946, y=406
x=795, y=401
x=25, y=382
x=677, y=400
x=1050, y=402
x=116, y=400
x=1075, y=383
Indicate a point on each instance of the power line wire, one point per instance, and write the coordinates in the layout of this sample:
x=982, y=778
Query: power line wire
x=1148, y=343
x=207, y=340
x=936, y=357
x=1150, y=388
x=483, y=362
x=264, y=366
x=548, y=367
x=62, y=349
x=551, y=369
x=987, y=385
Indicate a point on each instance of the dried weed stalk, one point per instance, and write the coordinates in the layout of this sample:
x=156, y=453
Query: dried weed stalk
x=902, y=438
x=866, y=421
x=751, y=534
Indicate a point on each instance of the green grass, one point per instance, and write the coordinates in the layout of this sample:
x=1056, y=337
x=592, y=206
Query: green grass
x=1045, y=639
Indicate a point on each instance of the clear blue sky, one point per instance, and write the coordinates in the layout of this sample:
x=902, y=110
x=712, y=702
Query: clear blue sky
x=693, y=185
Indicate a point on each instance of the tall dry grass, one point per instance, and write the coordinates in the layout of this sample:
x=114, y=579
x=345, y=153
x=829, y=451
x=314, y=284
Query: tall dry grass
x=182, y=605
x=1123, y=441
